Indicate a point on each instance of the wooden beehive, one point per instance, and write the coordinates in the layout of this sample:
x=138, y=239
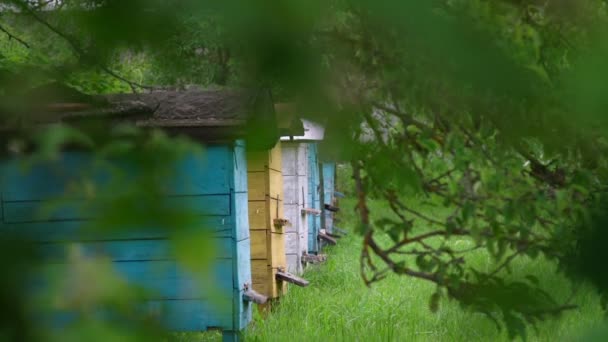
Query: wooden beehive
x=299, y=209
x=314, y=199
x=328, y=173
x=265, y=190
x=213, y=185
x=295, y=185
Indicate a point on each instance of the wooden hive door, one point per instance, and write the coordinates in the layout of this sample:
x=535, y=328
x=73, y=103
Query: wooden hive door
x=265, y=207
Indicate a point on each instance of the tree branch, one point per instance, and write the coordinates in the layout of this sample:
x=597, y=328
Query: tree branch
x=13, y=37
x=77, y=48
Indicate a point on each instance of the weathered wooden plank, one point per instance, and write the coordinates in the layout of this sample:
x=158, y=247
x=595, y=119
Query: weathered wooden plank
x=260, y=275
x=329, y=200
x=303, y=239
x=294, y=263
x=329, y=171
x=202, y=174
x=289, y=162
x=275, y=184
x=191, y=314
x=238, y=167
x=277, y=250
x=275, y=158
x=251, y=295
x=279, y=288
x=166, y=279
x=257, y=186
x=243, y=308
x=259, y=244
x=242, y=257
x=292, y=240
x=292, y=211
x=311, y=211
x=49, y=179
x=42, y=180
x=313, y=197
x=57, y=231
x=132, y=250
x=327, y=239
x=258, y=215
x=240, y=216
x=37, y=211
x=291, y=278
x=291, y=190
x=314, y=258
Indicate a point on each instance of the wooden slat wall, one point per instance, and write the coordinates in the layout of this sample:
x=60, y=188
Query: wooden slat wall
x=213, y=186
x=295, y=185
x=266, y=204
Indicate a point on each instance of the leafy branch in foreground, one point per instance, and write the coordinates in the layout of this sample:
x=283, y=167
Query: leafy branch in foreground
x=471, y=107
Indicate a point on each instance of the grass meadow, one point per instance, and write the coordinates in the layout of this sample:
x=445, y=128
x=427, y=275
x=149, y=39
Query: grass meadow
x=337, y=306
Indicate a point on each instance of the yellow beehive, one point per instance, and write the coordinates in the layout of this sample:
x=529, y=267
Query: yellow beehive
x=265, y=187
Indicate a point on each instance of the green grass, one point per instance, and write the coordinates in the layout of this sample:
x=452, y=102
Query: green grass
x=337, y=306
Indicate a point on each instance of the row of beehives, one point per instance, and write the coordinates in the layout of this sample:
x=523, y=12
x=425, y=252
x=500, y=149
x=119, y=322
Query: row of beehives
x=269, y=204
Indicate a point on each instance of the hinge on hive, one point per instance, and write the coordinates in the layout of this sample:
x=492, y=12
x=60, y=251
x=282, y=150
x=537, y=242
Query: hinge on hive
x=312, y=211
x=313, y=259
x=323, y=236
x=250, y=295
x=283, y=275
x=331, y=208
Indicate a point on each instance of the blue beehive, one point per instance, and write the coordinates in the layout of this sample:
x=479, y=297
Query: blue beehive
x=328, y=172
x=314, y=198
x=213, y=186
